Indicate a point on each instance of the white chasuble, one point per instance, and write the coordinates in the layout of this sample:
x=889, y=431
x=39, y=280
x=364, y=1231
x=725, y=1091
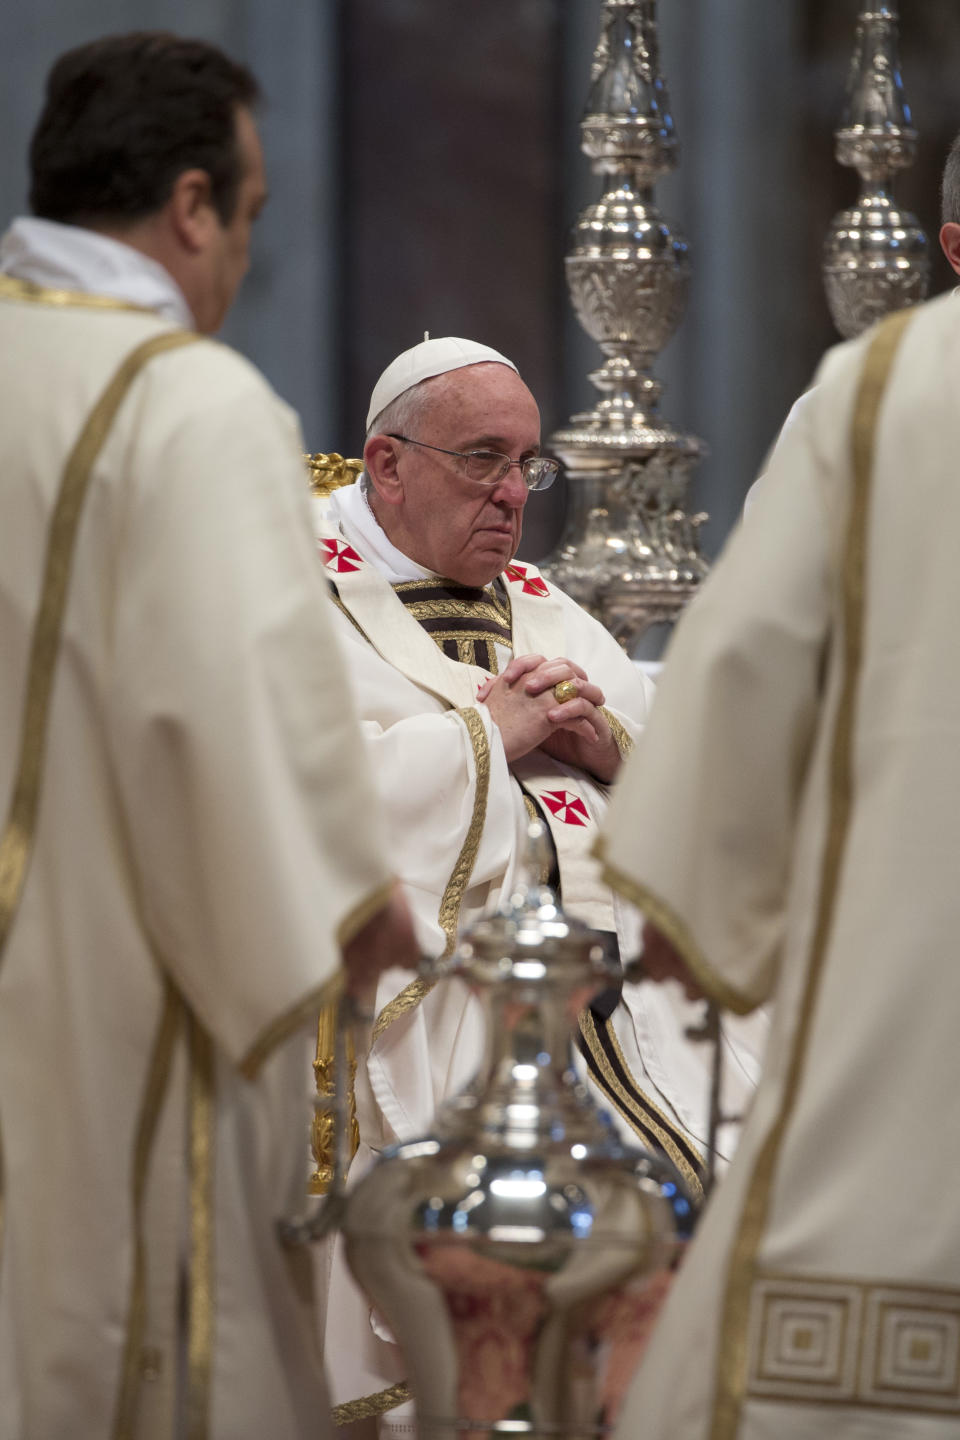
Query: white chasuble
x=456, y=817
x=791, y=822
x=204, y=832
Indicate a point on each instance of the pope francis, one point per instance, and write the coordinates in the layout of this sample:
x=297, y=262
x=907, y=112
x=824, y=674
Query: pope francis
x=485, y=695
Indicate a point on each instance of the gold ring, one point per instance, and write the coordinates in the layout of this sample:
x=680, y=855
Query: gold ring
x=564, y=691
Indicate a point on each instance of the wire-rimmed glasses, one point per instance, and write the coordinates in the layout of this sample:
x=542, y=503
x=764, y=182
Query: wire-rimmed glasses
x=488, y=467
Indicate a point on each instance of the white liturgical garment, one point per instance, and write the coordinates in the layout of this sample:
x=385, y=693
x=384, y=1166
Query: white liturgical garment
x=205, y=832
x=790, y=821
x=456, y=816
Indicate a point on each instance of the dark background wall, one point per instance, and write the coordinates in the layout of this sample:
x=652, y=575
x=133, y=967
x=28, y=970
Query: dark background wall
x=425, y=167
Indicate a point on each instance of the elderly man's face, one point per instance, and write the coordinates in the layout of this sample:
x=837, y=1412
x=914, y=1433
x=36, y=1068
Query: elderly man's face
x=454, y=526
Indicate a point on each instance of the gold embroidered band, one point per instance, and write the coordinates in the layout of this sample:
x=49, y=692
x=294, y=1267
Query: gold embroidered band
x=369, y=1406
x=870, y=1343
x=449, y=915
x=11, y=288
x=201, y=1300
x=158, y=1075
x=466, y=622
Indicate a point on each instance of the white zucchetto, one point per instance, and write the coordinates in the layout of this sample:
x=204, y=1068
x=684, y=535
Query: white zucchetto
x=423, y=361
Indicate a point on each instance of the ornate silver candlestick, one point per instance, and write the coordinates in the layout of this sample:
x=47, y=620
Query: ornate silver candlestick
x=630, y=552
x=875, y=255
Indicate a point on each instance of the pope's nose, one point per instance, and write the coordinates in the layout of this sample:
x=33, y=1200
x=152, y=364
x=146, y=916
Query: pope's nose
x=512, y=489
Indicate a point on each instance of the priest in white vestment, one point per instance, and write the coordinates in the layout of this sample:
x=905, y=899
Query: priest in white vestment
x=790, y=827
x=485, y=694
x=189, y=833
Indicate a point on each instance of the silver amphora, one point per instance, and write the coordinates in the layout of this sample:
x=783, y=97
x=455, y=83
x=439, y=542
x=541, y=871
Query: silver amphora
x=519, y=1251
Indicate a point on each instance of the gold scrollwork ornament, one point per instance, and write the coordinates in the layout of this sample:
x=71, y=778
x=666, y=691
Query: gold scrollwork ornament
x=330, y=472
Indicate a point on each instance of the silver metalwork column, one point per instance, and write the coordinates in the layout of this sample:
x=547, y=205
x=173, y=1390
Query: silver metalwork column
x=630, y=552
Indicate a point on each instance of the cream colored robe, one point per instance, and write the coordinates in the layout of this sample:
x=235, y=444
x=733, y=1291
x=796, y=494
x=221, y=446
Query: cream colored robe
x=791, y=820
x=205, y=831
x=456, y=819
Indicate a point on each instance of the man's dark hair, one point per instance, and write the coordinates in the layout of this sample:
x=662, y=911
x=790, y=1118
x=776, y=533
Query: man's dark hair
x=950, y=186
x=124, y=116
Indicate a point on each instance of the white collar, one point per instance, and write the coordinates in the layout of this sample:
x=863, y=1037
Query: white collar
x=68, y=257
x=350, y=509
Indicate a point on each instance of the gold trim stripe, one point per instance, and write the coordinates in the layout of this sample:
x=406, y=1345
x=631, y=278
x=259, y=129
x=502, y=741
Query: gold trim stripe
x=732, y=1355
x=335, y=597
x=369, y=1406
x=486, y=609
x=200, y=1308
x=158, y=1076
x=453, y=895
x=449, y=915
x=408, y=999
x=620, y=733
x=646, y=1119
x=16, y=842
x=13, y=288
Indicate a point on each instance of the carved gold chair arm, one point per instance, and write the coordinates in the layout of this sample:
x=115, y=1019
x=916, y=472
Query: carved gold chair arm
x=322, y=1137
x=329, y=472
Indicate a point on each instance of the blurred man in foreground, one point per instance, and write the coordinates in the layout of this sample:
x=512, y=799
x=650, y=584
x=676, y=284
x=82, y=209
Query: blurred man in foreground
x=189, y=836
x=790, y=828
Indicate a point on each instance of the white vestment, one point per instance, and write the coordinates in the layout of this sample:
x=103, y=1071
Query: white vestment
x=791, y=822
x=456, y=819
x=205, y=829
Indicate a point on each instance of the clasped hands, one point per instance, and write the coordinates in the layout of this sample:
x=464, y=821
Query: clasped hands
x=529, y=716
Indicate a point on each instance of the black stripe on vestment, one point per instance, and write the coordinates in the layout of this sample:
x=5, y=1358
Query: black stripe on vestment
x=466, y=622
x=650, y=1122
x=414, y=592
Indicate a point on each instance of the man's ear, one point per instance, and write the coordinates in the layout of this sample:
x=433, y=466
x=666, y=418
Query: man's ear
x=950, y=244
x=380, y=456
x=191, y=210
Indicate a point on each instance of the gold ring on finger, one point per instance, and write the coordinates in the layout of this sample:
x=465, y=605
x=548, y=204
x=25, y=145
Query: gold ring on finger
x=564, y=691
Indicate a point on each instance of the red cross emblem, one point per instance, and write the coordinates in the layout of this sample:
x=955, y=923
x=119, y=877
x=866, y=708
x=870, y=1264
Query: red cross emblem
x=530, y=584
x=568, y=808
x=339, y=555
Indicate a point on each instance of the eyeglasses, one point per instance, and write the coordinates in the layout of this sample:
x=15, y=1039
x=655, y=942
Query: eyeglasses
x=487, y=467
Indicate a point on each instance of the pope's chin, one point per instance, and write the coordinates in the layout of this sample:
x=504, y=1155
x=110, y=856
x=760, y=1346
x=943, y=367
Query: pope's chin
x=490, y=552
x=503, y=541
